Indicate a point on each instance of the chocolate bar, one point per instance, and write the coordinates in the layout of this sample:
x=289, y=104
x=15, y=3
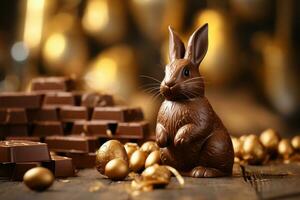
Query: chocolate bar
x=82, y=160
x=60, y=166
x=16, y=171
x=52, y=84
x=132, y=130
x=59, y=99
x=92, y=100
x=72, y=143
x=42, y=114
x=15, y=129
x=121, y=114
x=13, y=151
x=47, y=128
x=3, y=116
x=97, y=128
x=73, y=113
x=20, y=100
x=13, y=116
x=28, y=138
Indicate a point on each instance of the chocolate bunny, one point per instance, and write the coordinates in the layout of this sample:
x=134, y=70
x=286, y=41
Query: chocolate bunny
x=191, y=136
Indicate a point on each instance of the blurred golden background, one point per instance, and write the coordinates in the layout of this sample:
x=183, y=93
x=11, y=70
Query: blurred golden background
x=120, y=47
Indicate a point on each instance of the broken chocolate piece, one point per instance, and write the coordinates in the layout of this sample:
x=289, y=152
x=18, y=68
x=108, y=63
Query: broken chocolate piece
x=28, y=138
x=16, y=171
x=20, y=100
x=121, y=114
x=59, y=99
x=60, y=166
x=42, y=114
x=15, y=129
x=73, y=113
x=72, y=143
x=52, y=84
x=96, y=100
x=13, y=116
x=13, y=151
x=132, y=130
x=97, y=128
x=82, y=160
x=2, y=116
x=47, y=128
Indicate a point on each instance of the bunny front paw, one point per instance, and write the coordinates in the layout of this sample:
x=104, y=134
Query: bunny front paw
x=161, y=136
x=184, y=134
x=180, y=140
x=198, y=172
x=205, y=172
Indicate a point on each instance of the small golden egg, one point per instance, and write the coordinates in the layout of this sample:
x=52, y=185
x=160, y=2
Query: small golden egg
x=149, y=146
x=237, y=146
x=117, y=169
x=237, y=160
x=242, y=138
x=38, y=178
x=285, y=148
x=253, y=151
x=153, y=158
x=137, y=160
x=270, y=139
x=109, y=150
x=130, y=148
x=296, y=143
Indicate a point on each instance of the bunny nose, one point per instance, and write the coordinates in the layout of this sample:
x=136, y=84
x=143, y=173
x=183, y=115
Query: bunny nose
x=170, y=83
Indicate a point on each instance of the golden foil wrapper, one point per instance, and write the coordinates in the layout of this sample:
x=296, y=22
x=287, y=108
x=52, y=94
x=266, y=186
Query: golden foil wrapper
x=285, y=149
x=253, y=151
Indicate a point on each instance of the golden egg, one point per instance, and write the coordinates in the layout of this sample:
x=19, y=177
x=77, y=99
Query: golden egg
x=270, y=139
x=137, y=160
x=130, y=148
x=242, y=138
x=157, y=173
x=252, y=150
x=296, y=143
x=153, y=158
x=38, y=178
x=237, y=160
x=237, y=146
x=109, y=150
x=285, y=148
x=117, y=169
x=149, y=146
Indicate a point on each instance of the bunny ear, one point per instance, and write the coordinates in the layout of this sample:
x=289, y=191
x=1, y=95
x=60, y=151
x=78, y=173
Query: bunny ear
x=176, y=46
x=197, y=45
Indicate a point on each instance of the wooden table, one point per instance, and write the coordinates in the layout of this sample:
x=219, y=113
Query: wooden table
x=251, y=182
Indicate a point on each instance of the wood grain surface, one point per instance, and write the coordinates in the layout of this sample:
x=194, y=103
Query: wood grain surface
x=253, y=182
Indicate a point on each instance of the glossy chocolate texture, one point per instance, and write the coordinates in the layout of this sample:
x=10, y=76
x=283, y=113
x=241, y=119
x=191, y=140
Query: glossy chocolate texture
x=118, y=113
x=191, y=136
x=72, y=143
x=14, y=151
x=52, y=84
x=20, y=100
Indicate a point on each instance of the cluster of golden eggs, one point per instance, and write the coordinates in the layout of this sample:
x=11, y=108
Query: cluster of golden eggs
x=256, y=150
x=116, y=161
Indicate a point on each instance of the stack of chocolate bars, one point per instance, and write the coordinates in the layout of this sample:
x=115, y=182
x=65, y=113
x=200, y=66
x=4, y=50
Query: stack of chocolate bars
x=72, y=123
x=18, y=156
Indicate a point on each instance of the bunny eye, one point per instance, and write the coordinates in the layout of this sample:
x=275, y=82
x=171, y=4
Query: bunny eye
x=186, y=72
